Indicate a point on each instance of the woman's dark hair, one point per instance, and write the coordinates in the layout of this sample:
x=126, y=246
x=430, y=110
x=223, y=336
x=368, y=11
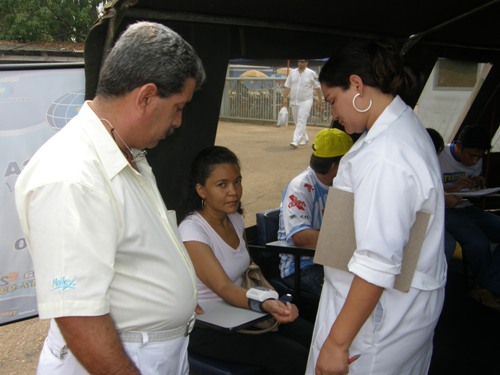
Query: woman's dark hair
x=379, y=64
x=202, y=166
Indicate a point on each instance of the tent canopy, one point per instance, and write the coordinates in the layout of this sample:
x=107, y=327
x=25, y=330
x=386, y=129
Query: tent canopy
x=253, y=74
x=279, y=29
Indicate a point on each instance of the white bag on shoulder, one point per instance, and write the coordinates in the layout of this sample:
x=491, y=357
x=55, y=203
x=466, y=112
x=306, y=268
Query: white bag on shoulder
x=282, y=117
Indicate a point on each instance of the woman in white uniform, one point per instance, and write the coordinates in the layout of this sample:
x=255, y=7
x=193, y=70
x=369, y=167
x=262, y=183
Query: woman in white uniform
x=393, y=172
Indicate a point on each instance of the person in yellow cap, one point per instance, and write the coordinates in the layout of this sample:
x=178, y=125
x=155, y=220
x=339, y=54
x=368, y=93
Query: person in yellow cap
x=303, y=203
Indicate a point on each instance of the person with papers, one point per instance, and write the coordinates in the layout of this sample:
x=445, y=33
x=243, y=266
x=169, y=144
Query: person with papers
x=212, y=230
x=392, y=174
x=474, y=228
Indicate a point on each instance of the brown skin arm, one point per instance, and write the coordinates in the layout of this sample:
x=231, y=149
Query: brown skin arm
x=95, y=343
x=452, y=200
x=212, y=274
x=360, y=302
x=307, y=238
x=477, y=182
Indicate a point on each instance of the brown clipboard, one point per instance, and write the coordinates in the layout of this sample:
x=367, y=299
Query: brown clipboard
x=337, y=240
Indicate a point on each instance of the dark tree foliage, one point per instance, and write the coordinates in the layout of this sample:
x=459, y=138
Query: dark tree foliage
x=47, y=20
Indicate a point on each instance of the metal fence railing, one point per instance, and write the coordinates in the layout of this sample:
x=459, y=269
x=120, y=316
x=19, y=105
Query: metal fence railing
x=260, y=100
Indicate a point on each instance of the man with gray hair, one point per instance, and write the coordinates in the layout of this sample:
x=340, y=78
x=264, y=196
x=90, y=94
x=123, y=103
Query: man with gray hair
x=112, y=272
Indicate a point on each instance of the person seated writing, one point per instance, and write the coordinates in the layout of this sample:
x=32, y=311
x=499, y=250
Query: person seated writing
x=302, y=206
x=449, y=241
x=212, y=230
x=475, y=229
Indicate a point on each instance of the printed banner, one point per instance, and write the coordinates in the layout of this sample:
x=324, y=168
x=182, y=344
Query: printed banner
x=34, y=105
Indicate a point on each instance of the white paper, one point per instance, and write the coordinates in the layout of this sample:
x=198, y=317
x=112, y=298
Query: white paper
x=476, y=193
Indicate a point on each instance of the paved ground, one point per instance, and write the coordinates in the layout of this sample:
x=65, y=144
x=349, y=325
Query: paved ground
x=268, y=163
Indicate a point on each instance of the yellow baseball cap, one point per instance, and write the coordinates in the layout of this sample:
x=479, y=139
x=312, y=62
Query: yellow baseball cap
x=331, y=142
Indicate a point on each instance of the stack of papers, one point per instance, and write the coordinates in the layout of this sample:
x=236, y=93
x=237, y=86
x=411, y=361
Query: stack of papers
x=221, y=315
x=476, y=193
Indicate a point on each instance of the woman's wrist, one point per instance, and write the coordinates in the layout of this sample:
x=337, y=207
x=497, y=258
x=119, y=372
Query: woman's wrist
x=266, y=306
x=255, y=305
x=258, y=306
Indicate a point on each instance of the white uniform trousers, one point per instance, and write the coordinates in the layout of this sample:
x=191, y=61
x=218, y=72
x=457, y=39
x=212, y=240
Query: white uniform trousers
x=397, y=337
x=300, y=113
x=151, y=358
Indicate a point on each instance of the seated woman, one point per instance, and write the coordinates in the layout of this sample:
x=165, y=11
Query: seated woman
x=213, y=233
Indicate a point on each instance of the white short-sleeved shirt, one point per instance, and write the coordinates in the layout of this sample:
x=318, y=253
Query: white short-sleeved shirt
x=100, y=235
x=393, y=172
x=234, y=261
x=302, y=206
x=301, y=85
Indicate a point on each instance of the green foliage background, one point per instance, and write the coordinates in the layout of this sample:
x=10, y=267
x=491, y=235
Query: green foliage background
x=47, y=20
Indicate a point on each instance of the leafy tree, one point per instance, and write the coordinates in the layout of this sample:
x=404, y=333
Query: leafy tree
x=47, y=20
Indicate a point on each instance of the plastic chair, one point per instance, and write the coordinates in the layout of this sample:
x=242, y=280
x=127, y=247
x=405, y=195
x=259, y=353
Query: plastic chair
x=268, y=260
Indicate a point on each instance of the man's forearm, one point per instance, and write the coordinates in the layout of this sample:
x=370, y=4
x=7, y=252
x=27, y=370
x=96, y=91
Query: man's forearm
x=307, y=238
x=286, y=91
x=95, y=343
x=320, y=96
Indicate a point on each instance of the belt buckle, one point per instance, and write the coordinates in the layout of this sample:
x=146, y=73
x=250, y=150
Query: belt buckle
x=189, y=326
x=61, y=354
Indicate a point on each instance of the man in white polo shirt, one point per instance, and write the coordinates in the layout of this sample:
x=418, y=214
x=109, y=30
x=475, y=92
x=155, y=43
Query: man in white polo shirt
x=112, y=272
x=300, y=84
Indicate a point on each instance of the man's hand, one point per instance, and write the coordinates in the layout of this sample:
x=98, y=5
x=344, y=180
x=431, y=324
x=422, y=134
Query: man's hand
x=452, y=200
x=477, y=182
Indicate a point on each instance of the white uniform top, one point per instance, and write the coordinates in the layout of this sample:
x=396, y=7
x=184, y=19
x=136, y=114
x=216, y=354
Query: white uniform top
x=301, y=85
x=234, y=261
x=100, y=235
x=393, y=172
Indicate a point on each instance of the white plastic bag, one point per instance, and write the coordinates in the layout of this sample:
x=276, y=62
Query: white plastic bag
x=282, y=117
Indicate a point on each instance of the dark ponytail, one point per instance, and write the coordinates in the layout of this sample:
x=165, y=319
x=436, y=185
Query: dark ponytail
x=386, y=67
x=378, y=63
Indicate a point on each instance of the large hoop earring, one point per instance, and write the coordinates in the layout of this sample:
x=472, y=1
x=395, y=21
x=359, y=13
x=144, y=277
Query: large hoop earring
x=356, y=108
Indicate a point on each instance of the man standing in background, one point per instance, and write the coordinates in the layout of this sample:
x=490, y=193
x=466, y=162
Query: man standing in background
x=300, y=84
